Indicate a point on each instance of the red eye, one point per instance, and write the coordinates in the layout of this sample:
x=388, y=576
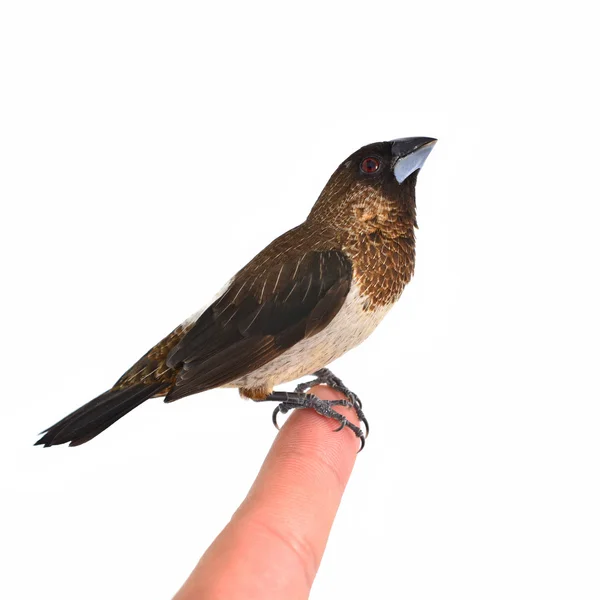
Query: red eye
x=370, y=165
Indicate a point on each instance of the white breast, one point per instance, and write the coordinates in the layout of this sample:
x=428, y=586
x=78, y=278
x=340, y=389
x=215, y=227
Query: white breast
x=351, y=326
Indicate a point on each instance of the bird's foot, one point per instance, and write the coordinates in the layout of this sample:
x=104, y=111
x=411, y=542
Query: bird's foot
x=326, y=377
x=291, y=400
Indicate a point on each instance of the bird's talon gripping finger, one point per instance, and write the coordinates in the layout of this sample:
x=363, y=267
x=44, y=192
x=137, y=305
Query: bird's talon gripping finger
x=343, y=423
x=361, y=416
x=356, y=401
x=302, y=387
x=295, y=400
x=340, y=403
x=366, y=424
x=356, y=430
x=362, y=444
x=274, y=417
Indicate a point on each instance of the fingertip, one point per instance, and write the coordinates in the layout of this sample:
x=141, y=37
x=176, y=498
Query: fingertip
x=303, y=478
x=274, y=543
x=311, y=441
x=313, y=430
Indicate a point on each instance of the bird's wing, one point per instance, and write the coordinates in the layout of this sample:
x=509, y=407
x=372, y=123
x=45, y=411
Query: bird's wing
x=259, y=317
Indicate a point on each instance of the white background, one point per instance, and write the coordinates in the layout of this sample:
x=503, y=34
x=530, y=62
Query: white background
x=148, y=150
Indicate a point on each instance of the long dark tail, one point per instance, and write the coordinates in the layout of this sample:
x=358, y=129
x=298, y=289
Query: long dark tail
x=97, y=415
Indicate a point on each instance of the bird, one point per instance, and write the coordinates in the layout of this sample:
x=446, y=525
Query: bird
x=308, y=297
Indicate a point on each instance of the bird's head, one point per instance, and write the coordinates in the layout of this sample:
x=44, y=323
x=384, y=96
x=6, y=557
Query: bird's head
x=374, y=185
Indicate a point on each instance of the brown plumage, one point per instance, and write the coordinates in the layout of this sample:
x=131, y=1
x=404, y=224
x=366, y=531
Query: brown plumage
x=310, y=295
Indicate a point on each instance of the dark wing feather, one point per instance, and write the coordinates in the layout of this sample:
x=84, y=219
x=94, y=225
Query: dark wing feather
x=258, y=318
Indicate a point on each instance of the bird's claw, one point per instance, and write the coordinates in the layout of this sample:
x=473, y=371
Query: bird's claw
x=322, y=407
x=280, y=408
x=326, y=377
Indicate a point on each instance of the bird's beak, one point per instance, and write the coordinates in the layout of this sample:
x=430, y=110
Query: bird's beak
x=410, y=154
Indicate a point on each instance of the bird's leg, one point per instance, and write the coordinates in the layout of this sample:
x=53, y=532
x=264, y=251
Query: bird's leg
x=289, y=400
x=326, y=377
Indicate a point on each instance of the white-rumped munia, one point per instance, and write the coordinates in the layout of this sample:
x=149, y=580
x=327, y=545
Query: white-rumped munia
x=310, y=296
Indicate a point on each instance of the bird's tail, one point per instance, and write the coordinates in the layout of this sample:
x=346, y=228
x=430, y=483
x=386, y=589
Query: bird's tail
x=98, y=414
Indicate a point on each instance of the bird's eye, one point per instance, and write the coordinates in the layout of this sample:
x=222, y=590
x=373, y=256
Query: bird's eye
x=370, y=165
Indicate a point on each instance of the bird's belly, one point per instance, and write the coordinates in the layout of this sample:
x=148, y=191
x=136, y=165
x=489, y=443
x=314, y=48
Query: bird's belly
x=351, y=326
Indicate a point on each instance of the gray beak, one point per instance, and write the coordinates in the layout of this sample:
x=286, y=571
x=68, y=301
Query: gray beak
x=410, y=154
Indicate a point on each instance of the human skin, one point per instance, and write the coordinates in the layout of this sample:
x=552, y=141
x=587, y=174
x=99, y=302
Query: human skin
x=273, y=545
